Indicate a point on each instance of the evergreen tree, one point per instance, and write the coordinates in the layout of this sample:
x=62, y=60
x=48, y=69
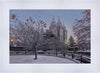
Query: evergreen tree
x=71, y=41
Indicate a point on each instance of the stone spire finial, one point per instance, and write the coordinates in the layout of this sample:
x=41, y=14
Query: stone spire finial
x=58, y=17
x=53, y=21
x=59, y=21
x=63, y=25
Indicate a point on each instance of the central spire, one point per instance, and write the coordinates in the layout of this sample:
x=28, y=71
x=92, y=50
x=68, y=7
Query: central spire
x=53, y=18
x=59, y=21
x=59, y=18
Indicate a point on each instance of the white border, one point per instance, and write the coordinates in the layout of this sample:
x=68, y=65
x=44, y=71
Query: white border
x=48, y=4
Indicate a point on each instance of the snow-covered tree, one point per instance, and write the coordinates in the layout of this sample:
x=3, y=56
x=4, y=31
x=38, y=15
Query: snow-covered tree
x=82, y=30
x=28, y=32
x=71, y=41
x=50, y=42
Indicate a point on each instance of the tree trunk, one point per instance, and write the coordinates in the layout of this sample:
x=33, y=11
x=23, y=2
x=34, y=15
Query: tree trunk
x=64, y=54
x=56, y=52
x=35, y=54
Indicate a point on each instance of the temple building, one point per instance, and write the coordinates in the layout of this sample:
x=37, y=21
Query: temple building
x=59, y=30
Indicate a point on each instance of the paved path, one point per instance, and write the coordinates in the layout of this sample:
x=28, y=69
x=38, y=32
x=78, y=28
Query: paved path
x=41, y=59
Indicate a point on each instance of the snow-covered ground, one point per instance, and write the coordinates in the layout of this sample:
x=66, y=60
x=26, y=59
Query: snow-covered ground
x=41, y=59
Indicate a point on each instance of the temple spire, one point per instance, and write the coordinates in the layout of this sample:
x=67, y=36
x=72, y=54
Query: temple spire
x=63, y=25
x=59, y=18
x=59, y=21
x=53, y=18
x=53, y=21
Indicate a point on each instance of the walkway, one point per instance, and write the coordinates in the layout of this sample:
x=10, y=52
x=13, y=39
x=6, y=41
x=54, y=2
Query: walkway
x=41, y=59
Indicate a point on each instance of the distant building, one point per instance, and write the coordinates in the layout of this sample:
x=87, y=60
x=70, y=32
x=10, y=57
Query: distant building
x=59, y=30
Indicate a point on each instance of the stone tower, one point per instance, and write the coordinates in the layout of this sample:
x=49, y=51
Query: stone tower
x=58, y=29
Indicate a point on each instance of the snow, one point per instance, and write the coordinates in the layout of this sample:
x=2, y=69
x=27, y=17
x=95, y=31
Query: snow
x=40, y=51
x=29, y=59
x=84, y=50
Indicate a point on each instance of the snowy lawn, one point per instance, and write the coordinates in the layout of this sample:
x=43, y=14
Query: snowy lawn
x=29, y=59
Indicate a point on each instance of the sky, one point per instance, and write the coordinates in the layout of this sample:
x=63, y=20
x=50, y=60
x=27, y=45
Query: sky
x=67, y=17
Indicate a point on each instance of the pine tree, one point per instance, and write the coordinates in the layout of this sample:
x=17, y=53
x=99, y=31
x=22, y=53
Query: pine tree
x=71, y=41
